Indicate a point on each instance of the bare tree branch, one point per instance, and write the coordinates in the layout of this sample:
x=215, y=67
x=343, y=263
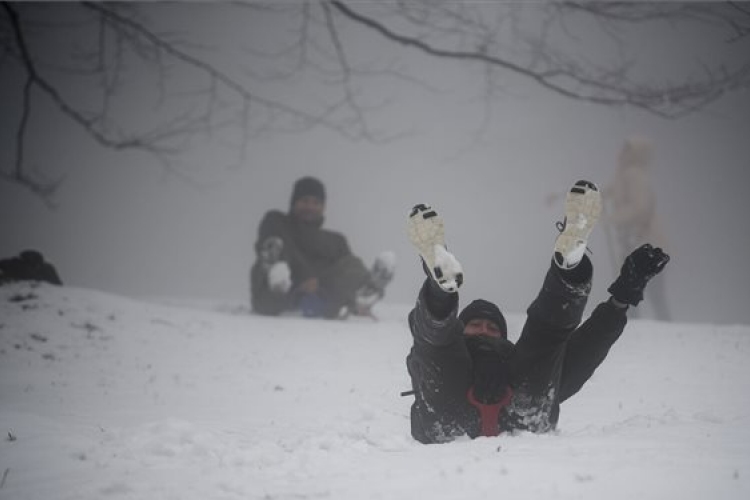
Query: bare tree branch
x=574, y=82
x=43, y=189
x=320, y=44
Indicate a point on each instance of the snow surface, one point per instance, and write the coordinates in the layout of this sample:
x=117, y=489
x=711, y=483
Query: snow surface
x=107, y=397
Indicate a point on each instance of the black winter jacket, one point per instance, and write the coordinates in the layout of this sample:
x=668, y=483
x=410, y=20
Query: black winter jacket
x=311, y=252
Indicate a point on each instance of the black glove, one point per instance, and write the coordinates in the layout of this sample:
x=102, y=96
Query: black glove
x=639, y=267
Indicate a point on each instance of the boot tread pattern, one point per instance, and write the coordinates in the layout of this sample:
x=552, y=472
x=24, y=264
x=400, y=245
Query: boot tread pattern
x=427, y=233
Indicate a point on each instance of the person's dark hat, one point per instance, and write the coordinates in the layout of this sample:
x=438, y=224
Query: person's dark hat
x=484, y=309
x=308, y=186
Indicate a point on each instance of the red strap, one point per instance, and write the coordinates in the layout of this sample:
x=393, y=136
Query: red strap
x=490, y=414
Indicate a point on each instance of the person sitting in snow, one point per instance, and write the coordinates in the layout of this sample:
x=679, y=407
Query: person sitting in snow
x=29, y=265
x=301, y=266
x=468, y=378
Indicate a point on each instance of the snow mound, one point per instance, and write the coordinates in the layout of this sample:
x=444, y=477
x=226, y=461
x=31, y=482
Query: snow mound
x=103, y=396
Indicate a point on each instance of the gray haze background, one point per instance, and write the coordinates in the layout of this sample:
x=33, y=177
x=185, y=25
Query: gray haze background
x=126, y=226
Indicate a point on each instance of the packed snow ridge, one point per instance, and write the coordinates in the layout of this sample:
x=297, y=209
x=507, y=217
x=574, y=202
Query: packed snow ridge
x=107, y=397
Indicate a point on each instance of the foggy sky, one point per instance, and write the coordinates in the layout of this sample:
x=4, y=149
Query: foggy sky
x=125, y=226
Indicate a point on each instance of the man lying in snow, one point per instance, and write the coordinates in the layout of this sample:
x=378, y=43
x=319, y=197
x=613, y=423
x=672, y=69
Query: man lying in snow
x=468, y=378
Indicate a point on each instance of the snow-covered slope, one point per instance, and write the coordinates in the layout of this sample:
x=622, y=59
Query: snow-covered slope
x=106, y=397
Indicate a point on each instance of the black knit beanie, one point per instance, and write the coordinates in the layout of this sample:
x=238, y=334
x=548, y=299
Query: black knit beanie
x=483, y=309
x=308, y=186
